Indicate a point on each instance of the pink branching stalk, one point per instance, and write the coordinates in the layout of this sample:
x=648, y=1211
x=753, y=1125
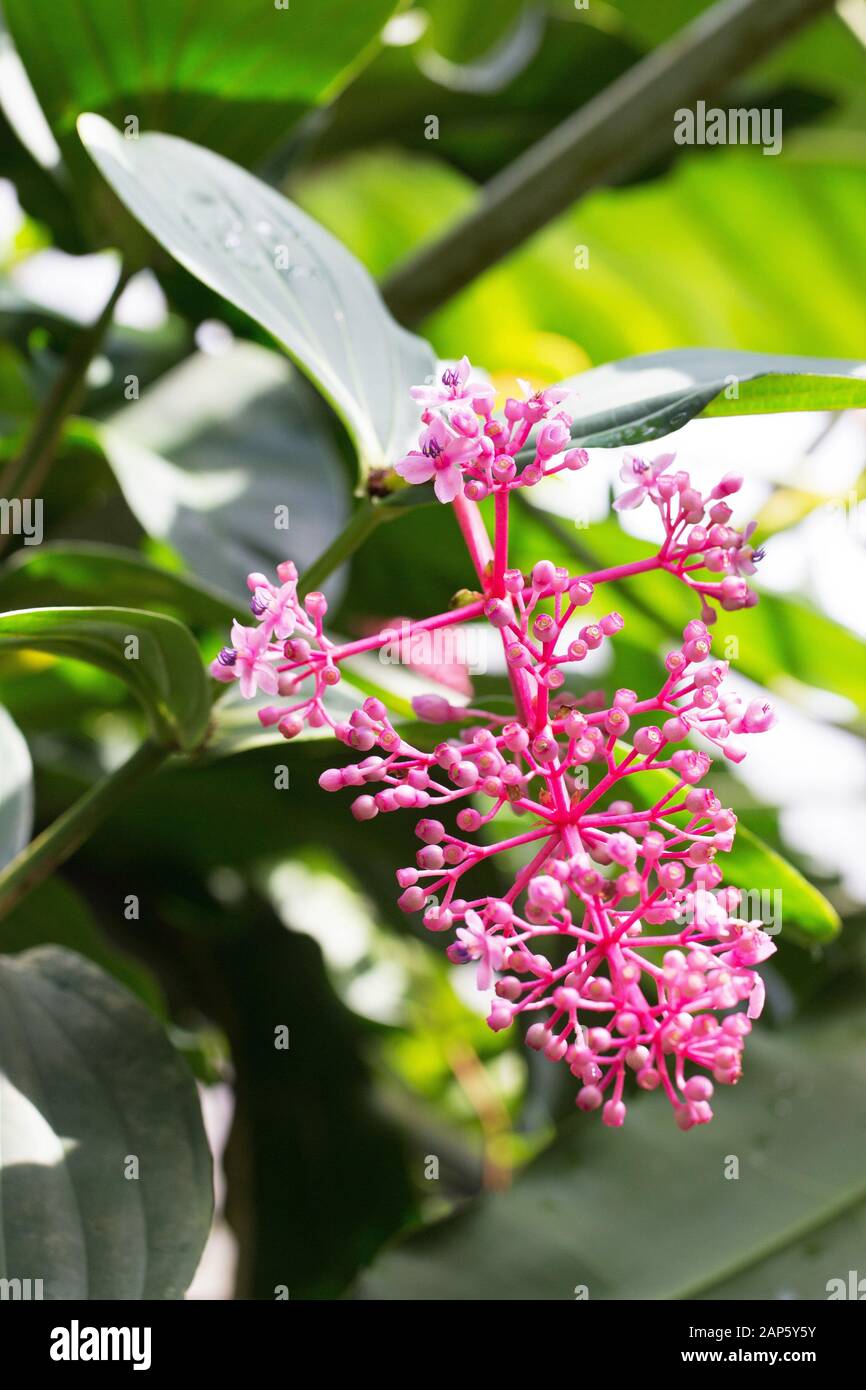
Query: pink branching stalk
x=616, y=940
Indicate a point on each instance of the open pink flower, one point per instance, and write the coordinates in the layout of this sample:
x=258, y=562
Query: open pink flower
x=475, y=943
x=275, y=607
x=246, y=661
x=441, y=457
x=751, y=946
x=757, y=718
x=535, y=404
x=744, y=557
x=642, y=476
x=454, y=385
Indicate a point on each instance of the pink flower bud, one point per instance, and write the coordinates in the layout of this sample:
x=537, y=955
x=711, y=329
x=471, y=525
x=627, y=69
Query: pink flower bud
x=581, y=592
x=543, y=574
x=613, y=1114
x=431, y=831
x=433, y=709
x=412, y=900
x=647, y=740
x=552, y=439
x=758, y=717
x=611, y=623
x=576, y=459
x=588, y=1098
x=316, y=604
x=730, y=483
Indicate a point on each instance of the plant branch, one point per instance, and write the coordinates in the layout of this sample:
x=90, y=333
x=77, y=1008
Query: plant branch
x=25, y=474
x=62, y=838
x=361, y=524
x=614, y=136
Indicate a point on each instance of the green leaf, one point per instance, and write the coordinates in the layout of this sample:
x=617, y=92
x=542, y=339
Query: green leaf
x=237, y=74
x=79, y=573
x=754, y=865
x=16, y=790
x=221, y=450
x=604, y=1208
x=652, y=395
x=88, y=1081
x=498, y=81
x=270, y=259
x=165, y=673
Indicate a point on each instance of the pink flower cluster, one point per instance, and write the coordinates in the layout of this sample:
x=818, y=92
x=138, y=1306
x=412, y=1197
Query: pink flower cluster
x=464, y=448
x=615, y=938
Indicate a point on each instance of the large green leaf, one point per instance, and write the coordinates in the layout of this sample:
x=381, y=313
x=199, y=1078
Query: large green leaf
x=16, y=790
x=605, y=1208
x=232, y=460
x=89, y=1083
x=237, y=74
x=162, y=666
x=647, y=397
x=79, y=573
x=273, y=261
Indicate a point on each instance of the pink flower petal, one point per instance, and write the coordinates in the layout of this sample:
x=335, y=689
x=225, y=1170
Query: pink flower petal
x=632, y=498
x=447, y=483
x=415, y=468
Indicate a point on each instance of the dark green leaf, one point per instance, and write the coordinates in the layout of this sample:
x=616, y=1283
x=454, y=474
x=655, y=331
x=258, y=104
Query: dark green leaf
x=81, y=573
x=236, y=74
x=89, y=1082
x=233, y=461
x=605, y=1208
x=489, y=112
x=162, y=667
x=710, y=383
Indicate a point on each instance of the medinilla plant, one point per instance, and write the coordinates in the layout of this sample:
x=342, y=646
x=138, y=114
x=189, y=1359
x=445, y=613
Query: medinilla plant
x=616, y=934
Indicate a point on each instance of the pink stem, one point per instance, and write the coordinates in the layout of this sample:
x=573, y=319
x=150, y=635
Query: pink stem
x=623, y=571
x=380, y=639
x=501, y=542
x=471, y=524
